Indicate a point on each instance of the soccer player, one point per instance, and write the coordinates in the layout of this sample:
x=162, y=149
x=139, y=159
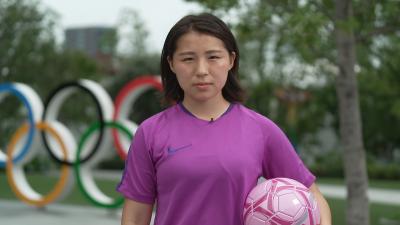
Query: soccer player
x=197, y=160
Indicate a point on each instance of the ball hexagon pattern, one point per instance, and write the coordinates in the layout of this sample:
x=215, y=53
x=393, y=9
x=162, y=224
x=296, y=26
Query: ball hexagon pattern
x=281, y=201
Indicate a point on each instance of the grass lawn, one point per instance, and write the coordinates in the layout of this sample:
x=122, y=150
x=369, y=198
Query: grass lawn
x=379, y=212
x=44, y=184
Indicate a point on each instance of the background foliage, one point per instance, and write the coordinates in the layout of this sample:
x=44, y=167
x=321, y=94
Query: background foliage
x=283, y=44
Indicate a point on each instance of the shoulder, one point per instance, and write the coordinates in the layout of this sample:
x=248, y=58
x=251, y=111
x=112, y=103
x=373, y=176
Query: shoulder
x=265, y=124
x=162, y=123
x=254, y=116
x=160, y=119
x=152, y=127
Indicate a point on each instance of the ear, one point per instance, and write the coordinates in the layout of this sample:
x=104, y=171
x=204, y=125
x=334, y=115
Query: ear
x=232, y=58
x=171, y=65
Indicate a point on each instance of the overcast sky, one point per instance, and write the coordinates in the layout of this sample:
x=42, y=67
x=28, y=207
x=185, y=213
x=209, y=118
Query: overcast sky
x=159, y=15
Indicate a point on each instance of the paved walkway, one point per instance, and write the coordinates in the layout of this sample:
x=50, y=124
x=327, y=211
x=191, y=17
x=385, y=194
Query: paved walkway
x=17, y=213
x=378, y=195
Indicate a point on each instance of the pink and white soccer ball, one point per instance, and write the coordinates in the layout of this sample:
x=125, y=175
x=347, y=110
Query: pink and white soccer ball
x=281, y=201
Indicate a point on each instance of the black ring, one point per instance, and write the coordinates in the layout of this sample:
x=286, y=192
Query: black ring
x=100, y=119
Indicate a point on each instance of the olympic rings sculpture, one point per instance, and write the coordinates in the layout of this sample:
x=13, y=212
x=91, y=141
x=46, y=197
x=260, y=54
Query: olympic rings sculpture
x=57, y=139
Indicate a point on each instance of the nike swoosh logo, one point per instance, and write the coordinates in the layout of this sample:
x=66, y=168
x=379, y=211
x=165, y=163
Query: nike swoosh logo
x=174, y=150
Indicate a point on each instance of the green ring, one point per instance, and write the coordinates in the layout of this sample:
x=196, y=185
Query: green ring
x=93, y=127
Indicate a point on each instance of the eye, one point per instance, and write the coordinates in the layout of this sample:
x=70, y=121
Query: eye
x=214, y=57
x=187, y=59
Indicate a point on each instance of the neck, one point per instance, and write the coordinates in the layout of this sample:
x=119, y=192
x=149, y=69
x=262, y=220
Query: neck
x=207, y=110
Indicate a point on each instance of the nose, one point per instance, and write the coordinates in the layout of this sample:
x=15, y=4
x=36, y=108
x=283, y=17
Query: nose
x=202, y=68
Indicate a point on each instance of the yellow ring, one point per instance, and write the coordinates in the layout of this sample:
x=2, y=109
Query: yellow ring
x=64, y=171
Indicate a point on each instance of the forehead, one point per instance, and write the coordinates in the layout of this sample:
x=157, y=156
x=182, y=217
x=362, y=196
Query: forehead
x=195, y=41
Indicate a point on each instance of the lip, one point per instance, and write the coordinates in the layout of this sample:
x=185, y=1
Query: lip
x=202, y=84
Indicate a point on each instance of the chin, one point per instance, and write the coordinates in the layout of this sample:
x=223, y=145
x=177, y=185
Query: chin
x=203, y=98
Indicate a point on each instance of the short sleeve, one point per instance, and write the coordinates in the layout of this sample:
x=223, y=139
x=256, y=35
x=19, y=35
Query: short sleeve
x=281, y=160
x=138, y=180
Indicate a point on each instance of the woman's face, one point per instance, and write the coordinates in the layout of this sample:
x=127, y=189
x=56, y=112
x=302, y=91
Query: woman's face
x=201, y=64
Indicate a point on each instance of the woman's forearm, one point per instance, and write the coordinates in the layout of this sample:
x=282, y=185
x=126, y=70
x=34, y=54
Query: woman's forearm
x=136, y=213
x=325, y=212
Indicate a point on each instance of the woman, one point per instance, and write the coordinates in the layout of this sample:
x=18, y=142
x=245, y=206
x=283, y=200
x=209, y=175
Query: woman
x=200, y=158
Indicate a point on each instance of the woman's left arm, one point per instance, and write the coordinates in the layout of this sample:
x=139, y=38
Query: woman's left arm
x=325, y=212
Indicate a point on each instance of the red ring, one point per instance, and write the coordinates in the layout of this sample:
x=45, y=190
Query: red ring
x=147, y=80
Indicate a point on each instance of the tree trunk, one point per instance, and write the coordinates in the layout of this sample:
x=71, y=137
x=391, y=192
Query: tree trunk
x=357, y=209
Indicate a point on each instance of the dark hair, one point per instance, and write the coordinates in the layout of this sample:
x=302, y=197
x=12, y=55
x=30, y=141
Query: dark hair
x=208, y=24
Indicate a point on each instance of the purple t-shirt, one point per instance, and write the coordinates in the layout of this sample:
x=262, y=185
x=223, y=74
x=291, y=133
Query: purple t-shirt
x=200, y=172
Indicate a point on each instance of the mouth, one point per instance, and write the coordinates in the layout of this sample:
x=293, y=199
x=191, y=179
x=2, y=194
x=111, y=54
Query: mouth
x=202, y=84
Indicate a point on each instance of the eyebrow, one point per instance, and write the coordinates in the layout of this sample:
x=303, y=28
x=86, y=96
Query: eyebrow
x=192, y=53
x=213, y=51
x=186, y=53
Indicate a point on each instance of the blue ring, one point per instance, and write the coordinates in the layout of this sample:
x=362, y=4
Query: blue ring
x=9, y=87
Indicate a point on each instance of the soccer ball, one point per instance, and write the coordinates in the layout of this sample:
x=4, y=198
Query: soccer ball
x=281, y=201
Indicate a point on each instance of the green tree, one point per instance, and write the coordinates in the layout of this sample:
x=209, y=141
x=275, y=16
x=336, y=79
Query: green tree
x=133, y=32
x=135, y=60
x=350, y=117
x=380, y=104
x=28, y=48
x=30, y=55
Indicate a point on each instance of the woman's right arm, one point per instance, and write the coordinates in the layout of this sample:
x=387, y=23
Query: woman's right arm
x=136, y=213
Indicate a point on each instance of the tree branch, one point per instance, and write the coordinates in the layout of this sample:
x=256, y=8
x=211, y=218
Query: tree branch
x=362, y=37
